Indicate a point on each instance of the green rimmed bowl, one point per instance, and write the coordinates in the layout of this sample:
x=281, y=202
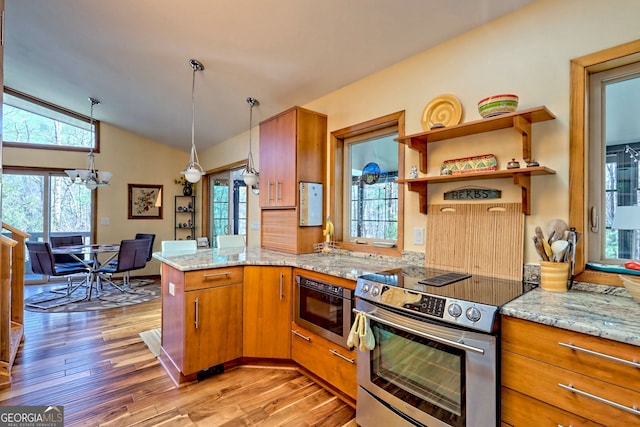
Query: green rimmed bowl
x=497, y=104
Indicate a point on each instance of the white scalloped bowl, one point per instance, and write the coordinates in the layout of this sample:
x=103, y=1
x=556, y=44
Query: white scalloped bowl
x=632, y=285
x=497, y=104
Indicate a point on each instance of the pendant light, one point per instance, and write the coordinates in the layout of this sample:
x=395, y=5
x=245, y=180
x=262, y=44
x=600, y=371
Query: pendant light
x=89, y=177
x=251, y=175
x=193, y=172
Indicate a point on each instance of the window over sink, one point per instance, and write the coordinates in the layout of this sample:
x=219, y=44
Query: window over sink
x=366, y=202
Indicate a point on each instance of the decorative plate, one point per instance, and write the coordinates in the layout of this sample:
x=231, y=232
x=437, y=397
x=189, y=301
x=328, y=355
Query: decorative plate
x=444, y=110
x=486, y=162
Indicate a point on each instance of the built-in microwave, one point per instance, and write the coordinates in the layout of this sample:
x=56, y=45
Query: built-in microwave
x=324, y=309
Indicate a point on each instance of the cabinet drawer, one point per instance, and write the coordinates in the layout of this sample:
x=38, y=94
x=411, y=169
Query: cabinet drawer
x=543, y=382
x=518, y=410
x=212, y=278
x=592, y=356
x=331, y=362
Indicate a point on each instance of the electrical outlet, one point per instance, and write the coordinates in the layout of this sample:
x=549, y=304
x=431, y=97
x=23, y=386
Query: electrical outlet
x=255, y=225
x=418, y=236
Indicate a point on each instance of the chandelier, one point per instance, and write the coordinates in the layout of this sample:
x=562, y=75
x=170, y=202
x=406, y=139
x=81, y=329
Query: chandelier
x=251, y=175
x=89, y=177
x=193, y=171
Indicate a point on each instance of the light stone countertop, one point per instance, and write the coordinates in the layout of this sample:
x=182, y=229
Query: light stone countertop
x=602, y=311
x=607, y=312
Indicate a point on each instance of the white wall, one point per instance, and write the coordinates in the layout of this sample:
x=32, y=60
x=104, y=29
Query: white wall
x=526, y=53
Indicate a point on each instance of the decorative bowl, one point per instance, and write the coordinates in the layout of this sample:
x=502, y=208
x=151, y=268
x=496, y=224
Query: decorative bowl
x=632, y=285
x=497, y=104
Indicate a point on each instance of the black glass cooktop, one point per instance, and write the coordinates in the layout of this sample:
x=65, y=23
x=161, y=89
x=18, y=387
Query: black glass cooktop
x=473, y=288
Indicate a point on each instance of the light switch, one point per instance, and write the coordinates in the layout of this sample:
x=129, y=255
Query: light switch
x=255, y=225
x=172, y=289
x=418, y=236
x=104, y=221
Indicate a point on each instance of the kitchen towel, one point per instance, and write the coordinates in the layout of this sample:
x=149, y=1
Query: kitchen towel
x=360, y=335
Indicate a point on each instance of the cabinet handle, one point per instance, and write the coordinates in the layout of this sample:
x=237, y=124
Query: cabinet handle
x=269, y=185
x=560, y=425
x=294, y=332
x=633, y=363
x=215, y=275
x=572, y=389
x=278, y=191
x=281, y=285
x=335, y=353
x=197, y=313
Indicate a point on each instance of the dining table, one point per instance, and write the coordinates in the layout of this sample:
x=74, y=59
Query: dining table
x=93, y=257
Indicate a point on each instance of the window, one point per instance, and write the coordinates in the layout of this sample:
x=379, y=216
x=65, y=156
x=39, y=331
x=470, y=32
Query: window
x=581, y=214
x=44, y=204
x=367, y=201
x=31, y=123
x=227, y=207
x=614, y=144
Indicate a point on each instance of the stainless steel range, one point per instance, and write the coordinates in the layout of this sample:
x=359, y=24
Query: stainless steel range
x=435, y=362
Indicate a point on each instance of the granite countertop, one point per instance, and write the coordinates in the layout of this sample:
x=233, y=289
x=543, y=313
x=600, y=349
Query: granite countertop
x=339, y=265
x=607, y=312
x=603, y=311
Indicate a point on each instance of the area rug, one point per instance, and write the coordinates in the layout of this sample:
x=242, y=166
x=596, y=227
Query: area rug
x=152, y=339
x=142, y=290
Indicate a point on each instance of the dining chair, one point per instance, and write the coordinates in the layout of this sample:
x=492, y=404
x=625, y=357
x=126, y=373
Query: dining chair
x=132, y=256
x=230, y=241
x=151, y=237
x=69, y=240
x=179, y=245
x=43, y=262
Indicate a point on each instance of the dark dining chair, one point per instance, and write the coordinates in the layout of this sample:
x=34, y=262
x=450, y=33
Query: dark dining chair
x=132, y=256
x=67, y=260
x=43, y=262
x=151, y=237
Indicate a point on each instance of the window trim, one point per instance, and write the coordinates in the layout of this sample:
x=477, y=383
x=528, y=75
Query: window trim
x=61, y=110
x=336, y=180
x=581, y=68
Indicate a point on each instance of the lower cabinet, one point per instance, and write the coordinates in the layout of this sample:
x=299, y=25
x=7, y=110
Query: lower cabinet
x=552, y=376
x=201, y=319
x=333, y=363
x=267, y=312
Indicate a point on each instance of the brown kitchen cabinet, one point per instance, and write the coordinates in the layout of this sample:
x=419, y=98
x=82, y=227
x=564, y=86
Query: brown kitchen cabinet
x=267, y=312
x=201, y=320
x=292, y=150
x=330, y=362
x=520, y=121
x=552, y=376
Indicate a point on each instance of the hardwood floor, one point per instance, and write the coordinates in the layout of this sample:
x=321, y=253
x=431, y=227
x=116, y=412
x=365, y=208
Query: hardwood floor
x=98, y=368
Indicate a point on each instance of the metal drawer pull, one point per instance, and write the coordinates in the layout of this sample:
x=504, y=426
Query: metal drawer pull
x=308, y=339
x=197, y=313
x=560, y=425
x=571, y=388
x=436, y=338
x=633, y=363
x=214, y=275
x=281, y=285
x=335, y=353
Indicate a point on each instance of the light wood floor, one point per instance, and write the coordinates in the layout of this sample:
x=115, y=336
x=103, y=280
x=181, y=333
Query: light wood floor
x=98, y=368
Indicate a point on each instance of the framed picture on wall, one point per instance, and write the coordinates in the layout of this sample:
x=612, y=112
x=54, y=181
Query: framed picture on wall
x=145, y=201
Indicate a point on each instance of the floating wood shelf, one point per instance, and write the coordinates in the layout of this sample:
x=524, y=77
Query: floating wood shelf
x=520, y=121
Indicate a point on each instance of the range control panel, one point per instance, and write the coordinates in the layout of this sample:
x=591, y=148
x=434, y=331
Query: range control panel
x=441, y=308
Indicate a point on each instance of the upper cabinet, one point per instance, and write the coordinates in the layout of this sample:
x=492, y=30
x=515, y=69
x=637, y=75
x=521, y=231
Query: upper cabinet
x=292, y=149
x=520, y=121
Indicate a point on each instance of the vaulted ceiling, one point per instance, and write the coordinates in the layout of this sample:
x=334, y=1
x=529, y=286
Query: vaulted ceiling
x=133, y=55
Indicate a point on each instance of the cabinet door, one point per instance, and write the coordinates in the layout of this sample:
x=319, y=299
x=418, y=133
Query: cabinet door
x=278, y=161
x=267, y=312
x=213, y=327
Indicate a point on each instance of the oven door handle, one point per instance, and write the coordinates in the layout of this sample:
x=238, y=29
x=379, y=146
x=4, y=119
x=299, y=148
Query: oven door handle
x=436, y=338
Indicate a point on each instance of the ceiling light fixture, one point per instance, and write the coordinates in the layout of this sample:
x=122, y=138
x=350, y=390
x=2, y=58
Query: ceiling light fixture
x=251, y=175
x=193, y=172
x=89, y=177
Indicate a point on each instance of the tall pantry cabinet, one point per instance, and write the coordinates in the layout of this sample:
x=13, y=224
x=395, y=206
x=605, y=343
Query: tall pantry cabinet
x=292, y=150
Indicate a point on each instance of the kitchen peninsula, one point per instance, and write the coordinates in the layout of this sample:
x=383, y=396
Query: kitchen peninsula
x=595, y=317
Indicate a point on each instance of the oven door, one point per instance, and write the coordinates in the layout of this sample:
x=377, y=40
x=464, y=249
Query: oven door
x=425, y=373
x=324, y=314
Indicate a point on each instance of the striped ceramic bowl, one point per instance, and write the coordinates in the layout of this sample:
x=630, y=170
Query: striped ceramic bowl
x=498, y=104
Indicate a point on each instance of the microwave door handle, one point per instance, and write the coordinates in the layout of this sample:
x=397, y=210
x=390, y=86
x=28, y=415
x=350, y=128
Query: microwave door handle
x=436, y=338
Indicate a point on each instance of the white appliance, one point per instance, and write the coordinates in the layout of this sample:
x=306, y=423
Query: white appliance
x=310, y=204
